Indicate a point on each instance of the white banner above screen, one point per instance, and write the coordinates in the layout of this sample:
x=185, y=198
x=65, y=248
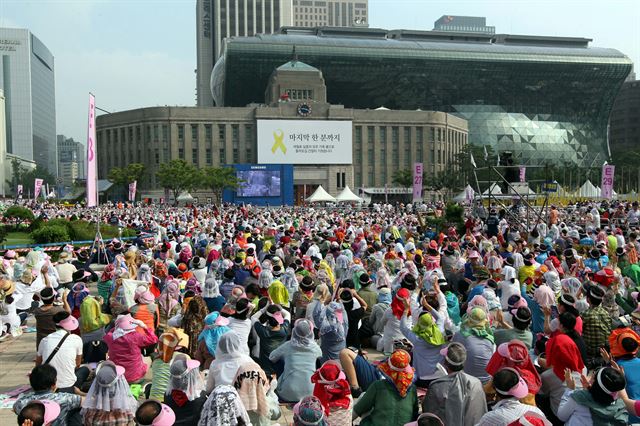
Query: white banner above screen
x=304, y=142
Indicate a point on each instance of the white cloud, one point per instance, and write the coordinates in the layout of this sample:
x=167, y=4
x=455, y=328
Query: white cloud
x=120, y=80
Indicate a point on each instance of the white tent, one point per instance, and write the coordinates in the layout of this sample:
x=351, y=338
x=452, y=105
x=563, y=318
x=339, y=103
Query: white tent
x=494, y=189
x=462, y=197
x=321, y=196
x=348, y=196
x=588, y=190
x=185, y=197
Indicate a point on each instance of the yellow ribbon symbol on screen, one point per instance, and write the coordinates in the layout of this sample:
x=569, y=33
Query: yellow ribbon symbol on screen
x=278, y=142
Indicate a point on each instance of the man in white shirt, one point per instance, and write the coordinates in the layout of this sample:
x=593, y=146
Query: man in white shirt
x=65, y=271
x=27, y=288
x=68, y=357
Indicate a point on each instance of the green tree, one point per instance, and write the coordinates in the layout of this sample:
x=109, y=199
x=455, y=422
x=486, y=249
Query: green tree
x=19, y=214
x=178, y=176
x=444, y=182
x=404, y=178
x=220, y=178
x=123, y=176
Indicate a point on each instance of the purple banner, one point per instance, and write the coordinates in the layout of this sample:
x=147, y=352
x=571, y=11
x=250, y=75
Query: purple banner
x=606, y=185
x=523, y=173
x=132, y=190
x=469, y=194
x=92, y=160
x=417, y=182
x=37, y=187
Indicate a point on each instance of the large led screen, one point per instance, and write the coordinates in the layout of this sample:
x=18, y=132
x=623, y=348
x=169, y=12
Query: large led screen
x=259, y=183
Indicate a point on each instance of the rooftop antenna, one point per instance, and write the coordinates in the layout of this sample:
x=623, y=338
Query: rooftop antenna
x=295, y=54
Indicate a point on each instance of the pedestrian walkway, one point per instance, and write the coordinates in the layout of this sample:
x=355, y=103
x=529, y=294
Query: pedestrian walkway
x=17, y=357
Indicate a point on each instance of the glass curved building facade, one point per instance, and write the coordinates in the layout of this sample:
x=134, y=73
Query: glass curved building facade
x=546, y=99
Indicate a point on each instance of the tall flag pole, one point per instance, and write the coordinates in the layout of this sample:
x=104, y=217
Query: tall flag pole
x=92, y=160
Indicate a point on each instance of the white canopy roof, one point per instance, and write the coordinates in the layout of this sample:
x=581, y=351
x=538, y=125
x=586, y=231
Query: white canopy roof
x=185, y=196
x=321, y=196
x=461, y=197
x=588, y=190
x=494, y=189
x=348, y=196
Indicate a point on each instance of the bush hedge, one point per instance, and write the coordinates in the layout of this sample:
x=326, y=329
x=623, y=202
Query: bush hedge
x=20, y=213
x=75, y=230
x=50, y=234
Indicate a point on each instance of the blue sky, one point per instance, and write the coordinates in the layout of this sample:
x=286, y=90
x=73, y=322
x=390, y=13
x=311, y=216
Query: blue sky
x=136, y=53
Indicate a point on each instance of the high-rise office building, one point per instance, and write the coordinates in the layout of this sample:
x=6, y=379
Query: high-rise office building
x=333, y=13
x=70, y=151
x=463, y=24
x=219, y=19
x=624, y=132
x=27, y=79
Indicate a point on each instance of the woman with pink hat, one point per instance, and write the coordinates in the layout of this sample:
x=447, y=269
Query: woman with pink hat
x=154, y=413
x=145, y=309
x=510, y=388
x=215, y=326
x=35, y=412
x=185, y=392
x=125, y=345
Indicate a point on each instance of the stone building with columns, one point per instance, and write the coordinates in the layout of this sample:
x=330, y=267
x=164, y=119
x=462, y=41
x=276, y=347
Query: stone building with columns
x=382, y=140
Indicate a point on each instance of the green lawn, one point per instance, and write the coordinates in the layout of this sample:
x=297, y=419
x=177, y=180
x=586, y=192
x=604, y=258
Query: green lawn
x=18, y=238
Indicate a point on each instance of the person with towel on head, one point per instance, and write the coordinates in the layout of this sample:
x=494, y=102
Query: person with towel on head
x=109, y=401
x=299, y=356
x=125, y=345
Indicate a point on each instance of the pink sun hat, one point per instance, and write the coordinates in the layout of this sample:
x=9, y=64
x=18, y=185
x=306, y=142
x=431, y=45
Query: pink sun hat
x=276, y=316
x=125, y=322
x=519, y=390
x=69, y=323
x=51, y=411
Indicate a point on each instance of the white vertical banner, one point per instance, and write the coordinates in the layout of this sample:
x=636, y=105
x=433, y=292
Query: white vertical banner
x=132, y=190
x=92, y=159
x=19, y=191
x=37, y=187
x=417, y=182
